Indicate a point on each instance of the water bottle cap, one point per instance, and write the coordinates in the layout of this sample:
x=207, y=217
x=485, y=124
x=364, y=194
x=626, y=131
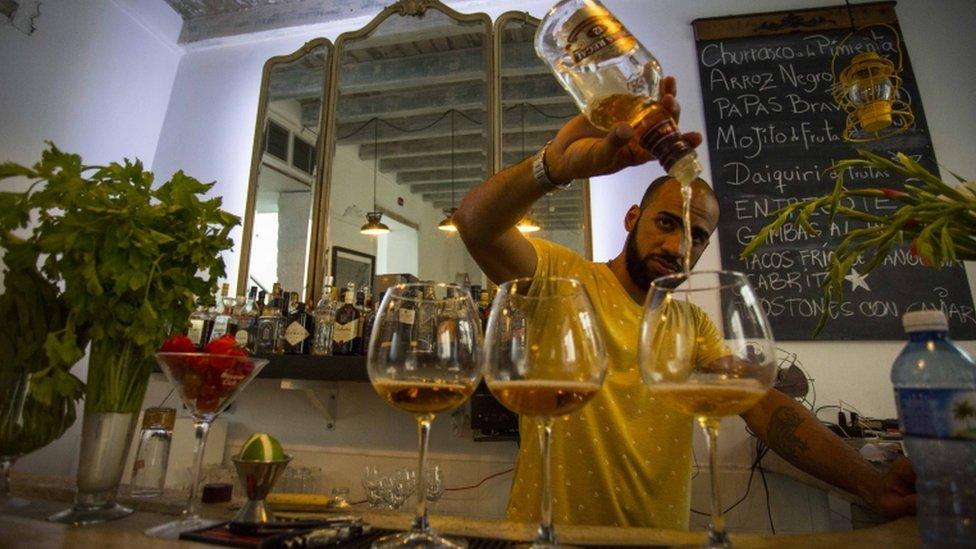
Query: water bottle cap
x=925, y=321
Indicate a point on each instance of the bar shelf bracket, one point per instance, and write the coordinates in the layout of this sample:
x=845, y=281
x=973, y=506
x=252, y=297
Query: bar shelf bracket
x=323, y=395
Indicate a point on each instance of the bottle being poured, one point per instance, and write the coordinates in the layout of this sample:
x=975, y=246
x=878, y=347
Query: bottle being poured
x=614, y=79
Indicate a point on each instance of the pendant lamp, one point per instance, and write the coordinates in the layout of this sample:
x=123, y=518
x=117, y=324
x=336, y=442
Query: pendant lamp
x=374, y=224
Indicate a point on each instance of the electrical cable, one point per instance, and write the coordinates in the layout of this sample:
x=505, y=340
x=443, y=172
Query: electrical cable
x=460, y=488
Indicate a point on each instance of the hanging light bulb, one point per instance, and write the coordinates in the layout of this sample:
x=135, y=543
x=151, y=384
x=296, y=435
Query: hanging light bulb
x=447, y=224
x=374, y=226
x=528, y=224
x=868, y=90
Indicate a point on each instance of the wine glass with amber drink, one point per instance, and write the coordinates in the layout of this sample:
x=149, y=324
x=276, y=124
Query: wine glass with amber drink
x=706, y=350
x=544, y=359
x=424, y=358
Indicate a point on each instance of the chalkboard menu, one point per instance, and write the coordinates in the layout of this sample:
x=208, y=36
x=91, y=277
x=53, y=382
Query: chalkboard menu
x=772, y=131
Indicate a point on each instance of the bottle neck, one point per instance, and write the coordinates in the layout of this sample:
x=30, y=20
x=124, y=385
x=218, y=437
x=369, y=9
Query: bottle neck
x=918, y=337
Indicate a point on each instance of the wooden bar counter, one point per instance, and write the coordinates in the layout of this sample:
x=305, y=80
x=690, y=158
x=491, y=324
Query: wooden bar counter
x=27, y=527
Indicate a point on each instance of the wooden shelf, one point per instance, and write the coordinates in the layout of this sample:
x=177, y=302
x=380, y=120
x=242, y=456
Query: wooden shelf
x=323, y=368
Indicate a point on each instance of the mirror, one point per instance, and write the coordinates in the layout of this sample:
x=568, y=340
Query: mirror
x=285, y=174
x=533, y=106
x=410, y=137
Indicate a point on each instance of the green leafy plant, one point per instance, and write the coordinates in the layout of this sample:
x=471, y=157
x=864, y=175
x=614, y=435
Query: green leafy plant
x=937, y=218
x=131, y=261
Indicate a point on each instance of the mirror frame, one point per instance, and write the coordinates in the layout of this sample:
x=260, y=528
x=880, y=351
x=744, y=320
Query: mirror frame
x=402, y=8
x=498, y=113
x=257, y=152
x=319, y=253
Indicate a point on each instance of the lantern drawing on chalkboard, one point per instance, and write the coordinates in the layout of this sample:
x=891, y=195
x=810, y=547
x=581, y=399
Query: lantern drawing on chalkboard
x=869, y=90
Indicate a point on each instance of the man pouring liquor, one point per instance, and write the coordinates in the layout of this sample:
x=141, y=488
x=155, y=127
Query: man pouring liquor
x=623, y=460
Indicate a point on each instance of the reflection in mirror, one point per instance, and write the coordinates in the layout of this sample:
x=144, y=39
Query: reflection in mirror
x=533, y=108
x=411, y=77
x=287, y=169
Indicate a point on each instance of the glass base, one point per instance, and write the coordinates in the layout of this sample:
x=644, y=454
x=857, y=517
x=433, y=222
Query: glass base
x=172, y=530
x=542, y=545
x=419, y=539
x=81, y=514
x=10, y=504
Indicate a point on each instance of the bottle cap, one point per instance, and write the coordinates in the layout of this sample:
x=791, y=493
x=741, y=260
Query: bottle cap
x=929, y=320
x=159, y=417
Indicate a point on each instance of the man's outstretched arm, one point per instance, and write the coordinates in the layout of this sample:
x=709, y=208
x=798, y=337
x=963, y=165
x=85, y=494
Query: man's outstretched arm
x=794, y=433
x=488, y=214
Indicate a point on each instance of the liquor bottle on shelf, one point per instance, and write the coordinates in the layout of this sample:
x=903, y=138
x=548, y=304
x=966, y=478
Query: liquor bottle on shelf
x=262, y=301
x=369, y=318
x=246, y=335
x=269, y=328
x=224, y=321
x=345, y=334
x=484, y=308
x=201, y=324
x=613, y=79
x=325, y=311
x=298, y=332
x=361, y=307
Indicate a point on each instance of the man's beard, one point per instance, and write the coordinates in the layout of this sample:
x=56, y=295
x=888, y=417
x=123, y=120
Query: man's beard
x=637, y=269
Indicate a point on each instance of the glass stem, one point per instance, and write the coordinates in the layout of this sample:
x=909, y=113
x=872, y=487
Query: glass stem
x=5, y=465
x=547, y=534
x=716, y=530
x=420, y=523
x=200, y=430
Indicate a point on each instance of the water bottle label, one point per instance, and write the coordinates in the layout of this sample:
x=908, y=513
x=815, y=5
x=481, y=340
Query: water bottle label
x=937, y=413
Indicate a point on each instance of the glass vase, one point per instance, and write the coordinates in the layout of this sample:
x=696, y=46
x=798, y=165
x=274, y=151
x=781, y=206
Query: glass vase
x=117, y=377
x=26, y=424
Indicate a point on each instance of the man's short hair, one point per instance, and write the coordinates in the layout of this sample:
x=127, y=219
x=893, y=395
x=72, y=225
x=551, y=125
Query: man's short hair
x=658, y=183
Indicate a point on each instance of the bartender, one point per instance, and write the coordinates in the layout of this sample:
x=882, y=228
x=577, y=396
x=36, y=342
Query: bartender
x=624, y=460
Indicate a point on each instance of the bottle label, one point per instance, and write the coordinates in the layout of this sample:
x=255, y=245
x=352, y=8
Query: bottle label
x=937, y=413
x=406, y=316
x=195, y=331
x=220, y=326
x=295, y=333
x=343, y=333
x=594, y=30
x=242, y=337
x=267, y=334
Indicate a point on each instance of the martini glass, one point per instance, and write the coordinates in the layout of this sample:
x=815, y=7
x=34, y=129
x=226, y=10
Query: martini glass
x=207, y=383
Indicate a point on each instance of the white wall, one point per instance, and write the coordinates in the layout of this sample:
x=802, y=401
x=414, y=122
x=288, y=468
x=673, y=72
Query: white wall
x=95, y=78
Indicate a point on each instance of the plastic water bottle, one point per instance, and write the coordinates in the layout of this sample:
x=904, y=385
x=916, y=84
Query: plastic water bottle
x=935, y=391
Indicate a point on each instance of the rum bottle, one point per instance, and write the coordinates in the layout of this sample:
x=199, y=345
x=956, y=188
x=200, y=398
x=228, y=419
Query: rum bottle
x=298, y=333
x=345, y=335
x=613, y=79
x=325, y=311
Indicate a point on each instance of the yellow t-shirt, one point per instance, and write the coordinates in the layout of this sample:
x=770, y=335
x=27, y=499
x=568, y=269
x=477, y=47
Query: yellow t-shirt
x=621, y=460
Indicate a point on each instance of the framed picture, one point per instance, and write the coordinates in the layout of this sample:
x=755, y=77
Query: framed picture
x=352, y=266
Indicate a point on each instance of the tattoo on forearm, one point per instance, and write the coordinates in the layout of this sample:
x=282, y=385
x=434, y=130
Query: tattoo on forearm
x=782, y=432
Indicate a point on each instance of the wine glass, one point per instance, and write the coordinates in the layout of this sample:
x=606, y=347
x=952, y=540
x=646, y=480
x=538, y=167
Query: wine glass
x=207, y=384
x=424, y=358
x=544, y=358
x=706, y=350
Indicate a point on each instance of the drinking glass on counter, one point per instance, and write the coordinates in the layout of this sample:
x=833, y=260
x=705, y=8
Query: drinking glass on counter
x=424, y=358
x=706, y=350
x=544, y=358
